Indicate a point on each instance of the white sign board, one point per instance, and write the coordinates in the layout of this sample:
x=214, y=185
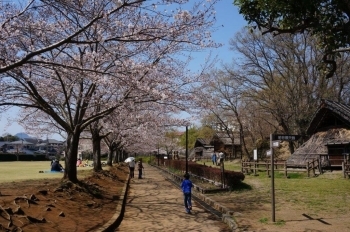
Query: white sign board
x=268, y=153
x=276, y=144
x=255, y=154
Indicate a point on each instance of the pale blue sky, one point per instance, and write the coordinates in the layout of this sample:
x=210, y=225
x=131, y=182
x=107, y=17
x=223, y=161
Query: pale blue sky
x=228, y=21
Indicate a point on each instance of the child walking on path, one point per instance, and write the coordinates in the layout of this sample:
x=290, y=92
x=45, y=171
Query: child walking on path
x=140, y=167
x=186, y=187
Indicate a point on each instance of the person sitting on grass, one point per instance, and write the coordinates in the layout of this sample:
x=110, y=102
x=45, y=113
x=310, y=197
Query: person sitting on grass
x=56, y=166
x=79, y=162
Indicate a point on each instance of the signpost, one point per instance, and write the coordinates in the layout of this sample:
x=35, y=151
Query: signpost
x=272, y=179
x=285, y=137
x=272, y=145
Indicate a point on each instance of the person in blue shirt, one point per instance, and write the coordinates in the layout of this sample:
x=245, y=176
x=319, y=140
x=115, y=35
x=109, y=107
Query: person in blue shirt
x=213, y=158
x=186, y=187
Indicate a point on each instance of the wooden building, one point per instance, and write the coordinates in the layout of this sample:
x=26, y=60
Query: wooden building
x=329, y=141
x=202, y=149
x=220, y=142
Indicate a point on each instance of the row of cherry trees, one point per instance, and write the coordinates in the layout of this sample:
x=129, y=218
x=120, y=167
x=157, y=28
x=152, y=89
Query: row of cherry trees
x=106, y=67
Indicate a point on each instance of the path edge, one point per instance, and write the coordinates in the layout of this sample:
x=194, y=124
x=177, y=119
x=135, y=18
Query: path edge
x=227, y=215
x=117, y=218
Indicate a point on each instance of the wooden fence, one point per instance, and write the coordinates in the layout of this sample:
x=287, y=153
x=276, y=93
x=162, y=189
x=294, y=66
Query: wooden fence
x=254, y=167
x=346, y=169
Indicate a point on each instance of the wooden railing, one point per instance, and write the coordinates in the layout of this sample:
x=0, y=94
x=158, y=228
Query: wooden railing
x=346, y=168
x=254, y=167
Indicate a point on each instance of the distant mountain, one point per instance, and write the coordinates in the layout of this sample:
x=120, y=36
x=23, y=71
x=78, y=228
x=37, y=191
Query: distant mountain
x=22, y=135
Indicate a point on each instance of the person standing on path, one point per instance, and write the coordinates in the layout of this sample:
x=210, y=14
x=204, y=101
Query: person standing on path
x=132, y=168
x=186, y=187
x=221, y=158
x=213, y=158
x=140, y=167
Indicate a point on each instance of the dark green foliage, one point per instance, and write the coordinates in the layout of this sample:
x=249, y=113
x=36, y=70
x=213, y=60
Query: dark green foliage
x=21, y=157
x=8, y=138
x=326, y=19
x=241, y=186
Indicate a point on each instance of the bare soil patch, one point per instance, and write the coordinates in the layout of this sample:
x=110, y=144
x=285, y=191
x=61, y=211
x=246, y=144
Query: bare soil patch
x=56, y=205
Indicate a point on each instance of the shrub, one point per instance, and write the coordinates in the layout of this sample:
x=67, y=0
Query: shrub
x=231, y=178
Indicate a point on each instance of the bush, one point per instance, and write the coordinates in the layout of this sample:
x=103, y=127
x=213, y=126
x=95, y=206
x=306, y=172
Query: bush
x=22, y=157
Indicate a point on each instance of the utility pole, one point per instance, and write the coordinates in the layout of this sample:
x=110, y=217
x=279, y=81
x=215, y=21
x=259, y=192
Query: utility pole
x=186, y=149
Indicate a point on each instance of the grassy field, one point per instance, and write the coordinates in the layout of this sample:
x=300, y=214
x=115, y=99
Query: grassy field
x=327, y=191
x=29, y=170
x=324, y=199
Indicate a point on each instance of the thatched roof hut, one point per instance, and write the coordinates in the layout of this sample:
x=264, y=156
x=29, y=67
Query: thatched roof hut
x=330, y=136
x=318, y=146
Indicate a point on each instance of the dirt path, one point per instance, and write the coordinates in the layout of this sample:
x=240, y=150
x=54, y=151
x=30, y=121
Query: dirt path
x=154, y=204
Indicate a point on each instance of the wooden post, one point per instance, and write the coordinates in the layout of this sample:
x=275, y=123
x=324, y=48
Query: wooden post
x=307, y=168
x=285, y=169
x=272, y=181
x=255, y=167
x=343, y=168
x=319, y=166
x=313, y=167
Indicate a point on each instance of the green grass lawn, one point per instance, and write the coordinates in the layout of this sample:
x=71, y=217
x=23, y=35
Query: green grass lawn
x=29, y=170
x=326, y=191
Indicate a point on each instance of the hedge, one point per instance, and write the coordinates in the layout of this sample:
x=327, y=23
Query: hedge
x=231, y=177
x=22, y=157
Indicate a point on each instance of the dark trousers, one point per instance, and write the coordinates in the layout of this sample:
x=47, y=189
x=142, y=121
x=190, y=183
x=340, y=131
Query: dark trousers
x=187, y=200
x=131, y=172
x=140, y=173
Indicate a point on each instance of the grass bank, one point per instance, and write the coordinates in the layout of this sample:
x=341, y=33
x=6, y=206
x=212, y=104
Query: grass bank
x=326, y=192
x=29, y=170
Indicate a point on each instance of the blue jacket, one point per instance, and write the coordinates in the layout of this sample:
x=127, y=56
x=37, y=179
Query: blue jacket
x=186, y=186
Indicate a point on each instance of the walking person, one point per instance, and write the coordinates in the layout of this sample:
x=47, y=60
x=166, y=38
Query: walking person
x=221, y=158
x=132, y=168
x=213, y=158
x=140, y=167
x=186, y=187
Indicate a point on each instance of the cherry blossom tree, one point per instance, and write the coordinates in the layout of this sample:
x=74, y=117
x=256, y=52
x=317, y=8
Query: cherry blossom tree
x=139, y=131
x=79, y=61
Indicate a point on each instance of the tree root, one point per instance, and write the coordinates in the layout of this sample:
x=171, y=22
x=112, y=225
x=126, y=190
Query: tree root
x=29, y=201
x=6, y=212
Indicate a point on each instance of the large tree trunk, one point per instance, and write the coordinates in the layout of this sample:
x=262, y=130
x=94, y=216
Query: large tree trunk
x=96, y=149
x=115, y=158
x=70, y=171
x=110, y=155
